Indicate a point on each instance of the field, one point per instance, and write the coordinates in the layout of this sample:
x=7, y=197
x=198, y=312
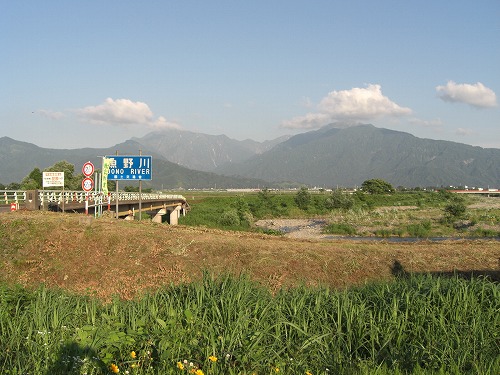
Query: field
x=79, y=296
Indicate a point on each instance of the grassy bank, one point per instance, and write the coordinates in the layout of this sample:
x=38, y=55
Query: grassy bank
x=231, y=325
x=402, y=214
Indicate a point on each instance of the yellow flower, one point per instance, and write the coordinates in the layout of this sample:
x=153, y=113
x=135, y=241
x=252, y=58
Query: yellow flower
x=199, y=372
x=308, y=373
x=114, y=368
x=133, y=355
x=180, y=366
x=276, y=369
x=213, y=358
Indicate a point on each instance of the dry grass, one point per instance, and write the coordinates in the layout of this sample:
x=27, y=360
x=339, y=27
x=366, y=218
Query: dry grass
x=109, y=257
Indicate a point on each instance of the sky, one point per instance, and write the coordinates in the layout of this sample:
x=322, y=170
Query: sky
x=91, y=73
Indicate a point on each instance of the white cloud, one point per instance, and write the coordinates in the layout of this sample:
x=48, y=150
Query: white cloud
x=308, y=121
x=54, y=115
x=476, y=95
x=464, y=132
x=355, y=104
x=123, y=112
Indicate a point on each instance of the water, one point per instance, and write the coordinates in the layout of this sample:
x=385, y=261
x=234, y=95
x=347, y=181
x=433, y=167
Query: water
x=411, y=239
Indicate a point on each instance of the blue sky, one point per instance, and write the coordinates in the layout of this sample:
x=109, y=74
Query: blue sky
x=95, y=73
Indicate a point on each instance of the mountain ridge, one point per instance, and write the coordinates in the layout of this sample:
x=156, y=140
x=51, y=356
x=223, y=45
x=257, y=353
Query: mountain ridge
x=334, y=155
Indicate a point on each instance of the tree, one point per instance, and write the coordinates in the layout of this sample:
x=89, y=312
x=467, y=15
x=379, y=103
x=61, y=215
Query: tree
x=455, y=210
x=303, y=199
x=33, y=181
x=339, y=200
x=377, y=186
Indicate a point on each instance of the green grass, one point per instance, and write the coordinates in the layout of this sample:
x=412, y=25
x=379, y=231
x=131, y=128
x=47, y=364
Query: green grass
x=403, y=214
x=414, y=325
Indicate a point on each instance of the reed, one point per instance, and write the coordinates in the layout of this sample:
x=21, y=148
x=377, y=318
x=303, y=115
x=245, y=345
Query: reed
x=232, y=325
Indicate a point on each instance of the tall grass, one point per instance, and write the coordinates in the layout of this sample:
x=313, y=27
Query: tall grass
x=421, y=325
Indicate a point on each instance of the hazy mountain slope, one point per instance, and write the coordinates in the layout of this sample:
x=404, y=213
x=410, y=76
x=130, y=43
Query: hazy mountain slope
x=346, y=157
x=202, y=151
x=18, y=159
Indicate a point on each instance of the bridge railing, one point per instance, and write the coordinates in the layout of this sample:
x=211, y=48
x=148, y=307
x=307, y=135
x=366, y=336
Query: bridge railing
x=59, y=196
x=80, y=196
x=12, y=196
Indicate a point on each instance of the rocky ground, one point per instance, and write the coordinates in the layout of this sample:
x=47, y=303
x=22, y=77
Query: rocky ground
x=296, y=228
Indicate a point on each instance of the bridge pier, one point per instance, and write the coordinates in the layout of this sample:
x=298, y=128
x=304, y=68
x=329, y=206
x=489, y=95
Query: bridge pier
x=172, y=212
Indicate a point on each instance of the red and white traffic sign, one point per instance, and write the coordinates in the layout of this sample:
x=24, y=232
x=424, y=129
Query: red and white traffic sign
x=88, y=169
x=87, y=184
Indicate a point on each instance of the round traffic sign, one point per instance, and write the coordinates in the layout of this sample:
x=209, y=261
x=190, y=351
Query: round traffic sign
x=87, y=184
x=88, y=169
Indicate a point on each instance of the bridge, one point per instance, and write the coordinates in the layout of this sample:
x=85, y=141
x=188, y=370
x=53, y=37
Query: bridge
x=161, y=207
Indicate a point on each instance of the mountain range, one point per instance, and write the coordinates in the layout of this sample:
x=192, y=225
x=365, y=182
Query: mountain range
x=331, y=156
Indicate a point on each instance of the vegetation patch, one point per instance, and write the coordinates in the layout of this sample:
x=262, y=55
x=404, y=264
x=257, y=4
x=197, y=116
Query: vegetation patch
x=232, y=325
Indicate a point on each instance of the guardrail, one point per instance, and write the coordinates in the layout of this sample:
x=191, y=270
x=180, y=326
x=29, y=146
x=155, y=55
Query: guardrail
x=59, y=196
x=12, y=196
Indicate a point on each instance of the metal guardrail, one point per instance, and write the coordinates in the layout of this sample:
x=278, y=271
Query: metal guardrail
x=59, y=196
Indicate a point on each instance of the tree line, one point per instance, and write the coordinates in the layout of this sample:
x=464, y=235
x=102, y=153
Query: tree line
x=72, y=181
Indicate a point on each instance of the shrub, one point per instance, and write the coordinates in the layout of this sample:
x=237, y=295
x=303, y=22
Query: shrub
x=229, y=218
x=303, y=199
x=418, y=230
x=340, y=228
x=455, y=210
x=377, y=186
x=339, y=200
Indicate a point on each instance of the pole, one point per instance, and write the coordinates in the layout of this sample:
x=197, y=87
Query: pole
x=116, y=192
x=140, y=194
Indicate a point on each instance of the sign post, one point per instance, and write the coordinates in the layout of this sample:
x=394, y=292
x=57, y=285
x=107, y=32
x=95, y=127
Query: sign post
x=87, y=182
x=129, y=168
x=53, y=179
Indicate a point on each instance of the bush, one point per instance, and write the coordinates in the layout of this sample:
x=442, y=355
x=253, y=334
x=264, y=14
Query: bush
x=455, y=210
x=339, y=200
x=377, y=186
x=340, y=228
x=229, y=218
x=418, y=230
x=303, y=199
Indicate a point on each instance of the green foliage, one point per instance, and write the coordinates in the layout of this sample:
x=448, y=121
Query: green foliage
x=482, y=232
x=303, y=199
x=229, y=218
x=33, y=181
x=455, y=210
x=420, y=230
x=340, y=228
x=339, y=200
x=377, y=186
x=227, y=325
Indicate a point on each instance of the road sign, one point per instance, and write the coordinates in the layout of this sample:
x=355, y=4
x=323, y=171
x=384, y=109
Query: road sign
x=87, y=184
x=53, y=179
x=88, y=169
x=13, y=206
x=131, y=168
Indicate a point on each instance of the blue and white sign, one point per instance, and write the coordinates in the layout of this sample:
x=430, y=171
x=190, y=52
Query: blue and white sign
x=135, y=168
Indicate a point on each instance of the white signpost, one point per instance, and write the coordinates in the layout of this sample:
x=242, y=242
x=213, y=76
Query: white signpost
x=53, y=179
